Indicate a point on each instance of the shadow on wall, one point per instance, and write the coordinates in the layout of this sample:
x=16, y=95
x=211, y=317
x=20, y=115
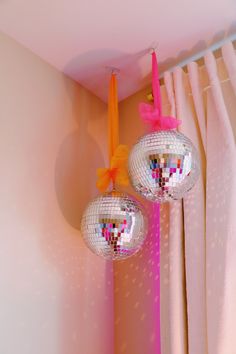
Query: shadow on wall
x=85, y=149
x=79, y=156
x=86, y=281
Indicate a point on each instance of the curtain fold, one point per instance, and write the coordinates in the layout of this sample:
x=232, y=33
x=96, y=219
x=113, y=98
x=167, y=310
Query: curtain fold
x=195, y=84
x=229, y=57
x=194, y=223
x=177, y=308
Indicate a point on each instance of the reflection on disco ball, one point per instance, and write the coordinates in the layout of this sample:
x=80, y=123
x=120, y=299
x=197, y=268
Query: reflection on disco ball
x=163, y=166
x=114, y=226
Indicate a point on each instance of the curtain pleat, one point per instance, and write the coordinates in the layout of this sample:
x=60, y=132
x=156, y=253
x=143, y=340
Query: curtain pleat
x=177, y=306
x=194, y=223
x=196, y=90
x=229, y=57
x=170, y=92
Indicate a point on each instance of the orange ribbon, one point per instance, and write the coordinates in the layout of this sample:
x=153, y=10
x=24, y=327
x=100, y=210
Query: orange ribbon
x=113, y=117
x=118, y=154
x=117, y=173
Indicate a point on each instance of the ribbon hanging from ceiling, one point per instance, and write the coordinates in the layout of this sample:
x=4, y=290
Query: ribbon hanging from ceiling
x=152, y=114
x=118, y=154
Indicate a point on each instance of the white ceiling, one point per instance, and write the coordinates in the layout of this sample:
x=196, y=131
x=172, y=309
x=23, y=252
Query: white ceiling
x=82, y=37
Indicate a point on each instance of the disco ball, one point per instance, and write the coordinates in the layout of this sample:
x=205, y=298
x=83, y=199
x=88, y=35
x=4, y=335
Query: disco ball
x=163, y=166
x=114, y=226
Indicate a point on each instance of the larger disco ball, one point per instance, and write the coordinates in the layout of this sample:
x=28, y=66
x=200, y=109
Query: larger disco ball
x=114, y=226
x=163, y=166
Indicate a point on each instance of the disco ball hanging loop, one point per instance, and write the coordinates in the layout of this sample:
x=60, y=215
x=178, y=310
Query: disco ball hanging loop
x=164, y=164
x=114, y=225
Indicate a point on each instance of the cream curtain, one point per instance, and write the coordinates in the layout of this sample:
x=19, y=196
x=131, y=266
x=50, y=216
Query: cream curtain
x=199, y=233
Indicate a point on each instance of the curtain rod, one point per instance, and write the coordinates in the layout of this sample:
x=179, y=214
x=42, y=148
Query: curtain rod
x=198, y=56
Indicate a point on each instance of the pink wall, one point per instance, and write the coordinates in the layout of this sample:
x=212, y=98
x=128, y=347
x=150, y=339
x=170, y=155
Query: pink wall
x=56, y=297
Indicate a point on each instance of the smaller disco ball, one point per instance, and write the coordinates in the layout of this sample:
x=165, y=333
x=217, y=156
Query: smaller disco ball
x=114, y=226
x=163, y=166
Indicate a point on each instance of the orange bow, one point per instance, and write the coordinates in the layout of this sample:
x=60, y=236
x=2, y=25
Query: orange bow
x=117, y=173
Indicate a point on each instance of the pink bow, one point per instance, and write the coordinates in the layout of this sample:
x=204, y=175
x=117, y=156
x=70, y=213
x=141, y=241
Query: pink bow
x=150, y=114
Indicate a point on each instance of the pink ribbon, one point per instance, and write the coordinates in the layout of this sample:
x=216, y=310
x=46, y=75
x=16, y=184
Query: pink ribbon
x=152, y=114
